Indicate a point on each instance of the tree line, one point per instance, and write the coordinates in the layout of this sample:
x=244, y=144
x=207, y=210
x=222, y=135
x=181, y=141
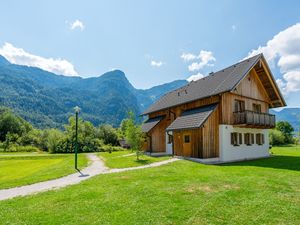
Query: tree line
x=16, y=134
x=283, y=134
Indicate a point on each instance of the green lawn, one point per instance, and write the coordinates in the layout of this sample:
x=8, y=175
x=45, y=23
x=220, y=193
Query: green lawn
x=265, y=191
x=124, y=159
x=17, y=169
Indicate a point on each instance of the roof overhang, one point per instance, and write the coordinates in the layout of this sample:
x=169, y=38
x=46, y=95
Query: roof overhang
x=192, y=119
x=149, y=124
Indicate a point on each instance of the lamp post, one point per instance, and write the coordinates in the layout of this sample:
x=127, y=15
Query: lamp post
x=77, y=109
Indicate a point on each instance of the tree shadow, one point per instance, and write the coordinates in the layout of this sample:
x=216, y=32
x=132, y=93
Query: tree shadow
x=142, y=161
x=275, y=162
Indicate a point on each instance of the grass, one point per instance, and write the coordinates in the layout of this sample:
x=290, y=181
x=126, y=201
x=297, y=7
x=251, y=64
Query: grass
x=17, y=169
x=124, y=159
x=265, y=191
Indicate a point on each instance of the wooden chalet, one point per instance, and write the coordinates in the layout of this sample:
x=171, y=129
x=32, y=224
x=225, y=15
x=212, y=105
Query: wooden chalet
x=221, y=117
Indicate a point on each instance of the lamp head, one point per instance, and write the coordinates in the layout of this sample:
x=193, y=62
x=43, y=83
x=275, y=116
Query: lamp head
x=77, y=109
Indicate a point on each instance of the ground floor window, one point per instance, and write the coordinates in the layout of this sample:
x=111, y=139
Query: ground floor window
x=247, y=138
x=236, y=139
x=260, y=139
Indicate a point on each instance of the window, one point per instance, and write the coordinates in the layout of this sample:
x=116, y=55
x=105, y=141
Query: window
x=240, y=138
x=170, y=139
x=236, y=139
x=257, y=108
x=247, y=138
x=260, y=139
x=252, y=139
x=186, y=138
x=239, y=106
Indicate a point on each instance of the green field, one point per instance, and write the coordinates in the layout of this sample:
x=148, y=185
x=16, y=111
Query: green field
x=17, y=169
x=124, y=159
x=265, y=191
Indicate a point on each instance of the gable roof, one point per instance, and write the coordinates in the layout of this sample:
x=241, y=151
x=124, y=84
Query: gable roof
x=216, y=83
x=192, y=119
x=150, y=123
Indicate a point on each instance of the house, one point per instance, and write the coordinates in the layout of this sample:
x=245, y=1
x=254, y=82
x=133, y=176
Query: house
x=221, y=117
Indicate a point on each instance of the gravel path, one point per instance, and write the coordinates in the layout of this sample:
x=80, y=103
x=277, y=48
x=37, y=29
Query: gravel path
x=96, y=167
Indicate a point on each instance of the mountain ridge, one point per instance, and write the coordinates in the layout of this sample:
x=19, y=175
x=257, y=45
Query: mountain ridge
x=47, y=99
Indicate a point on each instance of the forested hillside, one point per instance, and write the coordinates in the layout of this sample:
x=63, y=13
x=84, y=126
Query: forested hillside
x=47, y=100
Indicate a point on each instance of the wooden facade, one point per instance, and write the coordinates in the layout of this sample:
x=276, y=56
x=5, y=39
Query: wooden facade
x=203, y=142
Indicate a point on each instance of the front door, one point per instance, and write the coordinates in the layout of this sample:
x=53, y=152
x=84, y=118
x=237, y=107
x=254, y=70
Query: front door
x=187, y=146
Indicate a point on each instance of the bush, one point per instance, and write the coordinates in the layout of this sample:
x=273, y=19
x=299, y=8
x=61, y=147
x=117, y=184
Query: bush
x=109, y=148
x=18, y=148
x=276, y=137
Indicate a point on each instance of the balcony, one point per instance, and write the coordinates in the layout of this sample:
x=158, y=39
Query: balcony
x=254, y=119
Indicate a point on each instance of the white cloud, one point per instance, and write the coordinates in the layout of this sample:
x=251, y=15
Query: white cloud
x=283, y=50
x=156, y=63
x=195, y=77
x=77, y=24
x=188, y=56
x=19, y=56
x=205, y=58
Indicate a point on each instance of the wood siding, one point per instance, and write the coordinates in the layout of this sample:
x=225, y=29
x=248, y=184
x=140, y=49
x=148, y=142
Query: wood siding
x=158, y=133
x=204, y=141
x=251, y=91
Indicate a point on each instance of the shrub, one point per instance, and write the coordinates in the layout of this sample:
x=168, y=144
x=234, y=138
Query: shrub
x=18, y=148
x=276, y=137
x=109, y=148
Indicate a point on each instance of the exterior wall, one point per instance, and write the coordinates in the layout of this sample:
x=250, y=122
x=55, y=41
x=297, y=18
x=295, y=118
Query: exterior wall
x=196, y=146
x=158, y=136
x=204, y=141
x=229, y=152
x=158, y=133
x=249, y=90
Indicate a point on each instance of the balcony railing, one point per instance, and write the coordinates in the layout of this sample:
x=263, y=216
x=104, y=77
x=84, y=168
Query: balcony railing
x=254, y=119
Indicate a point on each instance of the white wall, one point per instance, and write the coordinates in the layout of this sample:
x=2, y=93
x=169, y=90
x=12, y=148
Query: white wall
x=168, y=146
x=229, y=152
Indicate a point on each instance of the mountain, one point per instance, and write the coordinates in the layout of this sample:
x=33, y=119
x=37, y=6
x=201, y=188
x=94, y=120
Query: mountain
x=292, y=115
x=47, y=100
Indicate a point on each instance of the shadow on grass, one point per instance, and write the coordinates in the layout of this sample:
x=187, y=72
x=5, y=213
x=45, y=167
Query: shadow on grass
x=143, y=161
x=275, y=162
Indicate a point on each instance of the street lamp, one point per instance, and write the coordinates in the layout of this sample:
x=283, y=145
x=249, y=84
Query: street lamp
x=77, y=110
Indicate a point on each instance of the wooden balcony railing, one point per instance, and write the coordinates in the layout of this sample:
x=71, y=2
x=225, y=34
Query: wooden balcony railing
x=255, y=119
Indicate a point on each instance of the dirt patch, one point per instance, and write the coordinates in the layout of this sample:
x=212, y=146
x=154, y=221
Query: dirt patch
x=203, y=188
x=231, y=187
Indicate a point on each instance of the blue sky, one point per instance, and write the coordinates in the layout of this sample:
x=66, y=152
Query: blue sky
x=147, y=39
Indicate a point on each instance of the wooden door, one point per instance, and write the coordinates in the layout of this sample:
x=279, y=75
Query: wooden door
x=187, y=146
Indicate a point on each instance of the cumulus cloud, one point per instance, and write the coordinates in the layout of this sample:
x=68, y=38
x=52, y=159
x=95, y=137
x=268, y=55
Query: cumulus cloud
x=283, y=51
x=20, y=56
x=156, y=63
x=77, y=24
x=205, y=58
x=195, y=77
